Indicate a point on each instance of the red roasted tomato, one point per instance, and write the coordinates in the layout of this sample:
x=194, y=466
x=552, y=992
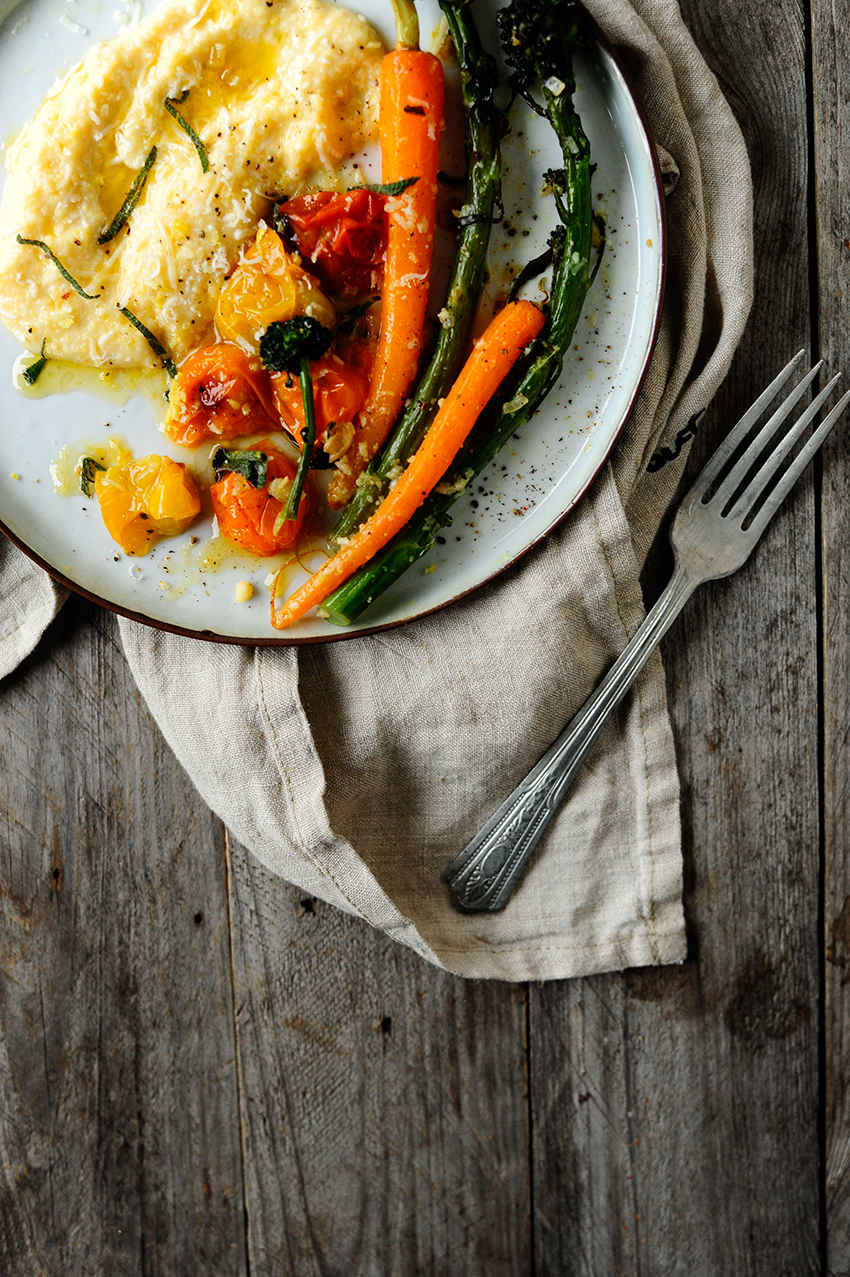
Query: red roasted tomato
x=249, y=516
x=339, y=392
x=344, y=237
x=220, y=393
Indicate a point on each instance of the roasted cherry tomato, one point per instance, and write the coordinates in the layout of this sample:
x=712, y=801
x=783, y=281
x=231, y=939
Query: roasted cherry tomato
x=249, y=516
x=146, y=499
x=343, y=237
x=339, y=392
x=358, y=352
x=268, y=284
x=220, y=393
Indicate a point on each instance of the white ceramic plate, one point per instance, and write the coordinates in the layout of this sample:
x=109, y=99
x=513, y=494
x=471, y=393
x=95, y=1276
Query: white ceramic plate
x=528, y=489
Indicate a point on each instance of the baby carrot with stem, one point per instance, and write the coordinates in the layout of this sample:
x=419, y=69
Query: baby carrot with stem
x=410, y=114
x=491, y=360
x=484, y=125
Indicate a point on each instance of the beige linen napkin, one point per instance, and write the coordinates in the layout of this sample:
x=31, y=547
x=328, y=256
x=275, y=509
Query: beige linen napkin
x=357, y=770
x=30, y=602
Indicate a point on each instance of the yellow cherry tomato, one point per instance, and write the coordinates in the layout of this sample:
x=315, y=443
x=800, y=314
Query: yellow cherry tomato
x=268, y=284
x=146, y=499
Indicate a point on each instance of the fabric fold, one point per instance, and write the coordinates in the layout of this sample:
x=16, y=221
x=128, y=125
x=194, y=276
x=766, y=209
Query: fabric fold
x=31, y=600
x=364, y=767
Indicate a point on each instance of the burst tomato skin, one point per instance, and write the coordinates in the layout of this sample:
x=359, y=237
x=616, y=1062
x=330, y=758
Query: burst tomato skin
x=220, y=393
x=339, y=392
x=247, y=515
x=146, y=499
x=343, y=237
x=268, y=285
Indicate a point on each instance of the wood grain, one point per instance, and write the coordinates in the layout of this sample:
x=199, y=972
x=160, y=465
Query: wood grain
x=831, y=75
x=672, y=1111
x=383, y=1102
x=118, y=1110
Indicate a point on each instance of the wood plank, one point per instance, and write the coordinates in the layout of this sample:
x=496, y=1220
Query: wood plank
x=384, y=1102
x=118, y=1107
x=831, y=63
x=675, y=1112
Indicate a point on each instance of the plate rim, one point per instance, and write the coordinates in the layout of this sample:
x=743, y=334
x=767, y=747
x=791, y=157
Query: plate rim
x=346, y=633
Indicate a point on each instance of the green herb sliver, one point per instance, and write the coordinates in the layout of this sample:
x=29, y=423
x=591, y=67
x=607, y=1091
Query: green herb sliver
x=388, y=188
x=87, y=472
x=33, y=371
x=348, y=320
x=250, y=463
x=187, y=128
x=133, y=196
x=156, y=346
x=39, y=243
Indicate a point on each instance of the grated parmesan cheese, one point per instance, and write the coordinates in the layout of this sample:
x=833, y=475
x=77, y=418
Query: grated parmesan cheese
x=300, y=99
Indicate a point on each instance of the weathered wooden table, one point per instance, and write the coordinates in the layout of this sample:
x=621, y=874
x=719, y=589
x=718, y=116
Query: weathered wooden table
x=203, y=1073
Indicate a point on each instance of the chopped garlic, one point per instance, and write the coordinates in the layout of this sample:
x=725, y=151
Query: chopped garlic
x=339, y=440
x=450, y=487
x=279, y=489
x=514, y=405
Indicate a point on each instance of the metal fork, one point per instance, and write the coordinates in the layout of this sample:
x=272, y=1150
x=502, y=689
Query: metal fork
x=716, y=528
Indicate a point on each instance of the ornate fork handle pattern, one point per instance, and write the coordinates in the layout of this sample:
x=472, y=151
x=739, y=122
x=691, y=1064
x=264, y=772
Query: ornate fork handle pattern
x=483, y=876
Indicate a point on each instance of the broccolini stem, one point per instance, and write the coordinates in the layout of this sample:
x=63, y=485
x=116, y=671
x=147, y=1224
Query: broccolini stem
x=308, y=438
x=484, y=126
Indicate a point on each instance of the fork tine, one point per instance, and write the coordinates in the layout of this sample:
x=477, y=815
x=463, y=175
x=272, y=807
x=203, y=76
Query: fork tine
x=798, y=465
x=742, y=466
x=773, y=462
x=716, y=463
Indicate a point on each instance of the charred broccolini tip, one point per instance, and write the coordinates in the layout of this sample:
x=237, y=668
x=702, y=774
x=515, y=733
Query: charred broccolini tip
x=538, y=37
x=287, y=343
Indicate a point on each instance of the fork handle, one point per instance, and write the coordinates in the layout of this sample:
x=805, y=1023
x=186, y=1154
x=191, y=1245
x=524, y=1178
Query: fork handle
x=482, y=878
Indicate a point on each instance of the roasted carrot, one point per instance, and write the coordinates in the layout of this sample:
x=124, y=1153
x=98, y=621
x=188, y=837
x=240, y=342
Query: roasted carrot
x=410, y=114
x=484, y=371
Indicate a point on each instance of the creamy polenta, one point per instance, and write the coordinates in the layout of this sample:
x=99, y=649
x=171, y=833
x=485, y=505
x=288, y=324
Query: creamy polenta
x=281, y=94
